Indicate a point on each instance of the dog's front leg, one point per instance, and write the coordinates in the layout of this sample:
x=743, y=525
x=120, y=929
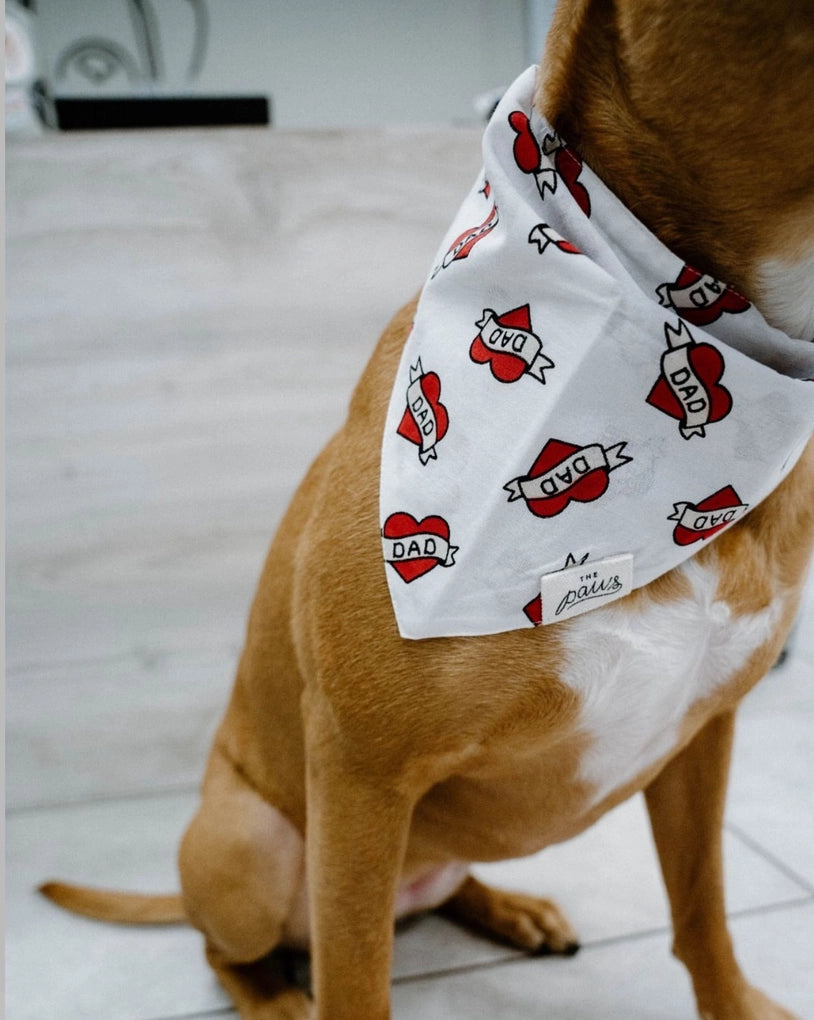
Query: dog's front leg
x=357, y=824
x=686, y=805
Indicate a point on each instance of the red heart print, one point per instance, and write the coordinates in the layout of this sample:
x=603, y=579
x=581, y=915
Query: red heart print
x=526, y=150
x=534, y=610
x=708, y=309
x=724, y=499
x=589, y=487
x=404, y=525
x=569, y=167
x=505, y=367
x=431, y=388
x=708, y=365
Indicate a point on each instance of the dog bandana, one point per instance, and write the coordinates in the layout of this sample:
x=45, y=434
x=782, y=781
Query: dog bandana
x=576, y=411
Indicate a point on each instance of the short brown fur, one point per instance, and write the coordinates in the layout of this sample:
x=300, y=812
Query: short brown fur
x=405, y=756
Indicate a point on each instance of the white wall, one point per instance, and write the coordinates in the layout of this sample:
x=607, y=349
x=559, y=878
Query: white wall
x=322, y=64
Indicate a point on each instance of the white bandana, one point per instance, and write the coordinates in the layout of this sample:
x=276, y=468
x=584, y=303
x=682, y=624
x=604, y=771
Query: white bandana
x=572, y=395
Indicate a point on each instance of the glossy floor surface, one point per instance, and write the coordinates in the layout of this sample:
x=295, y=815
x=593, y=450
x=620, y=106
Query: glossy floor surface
x=187, y=313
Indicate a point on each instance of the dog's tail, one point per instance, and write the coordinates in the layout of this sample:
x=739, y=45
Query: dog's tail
x=117, y=907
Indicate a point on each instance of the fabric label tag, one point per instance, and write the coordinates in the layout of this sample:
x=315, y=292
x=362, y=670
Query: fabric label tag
x=575, y=590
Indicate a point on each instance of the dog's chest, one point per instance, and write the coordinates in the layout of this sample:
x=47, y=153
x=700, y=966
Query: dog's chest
x=638, y=672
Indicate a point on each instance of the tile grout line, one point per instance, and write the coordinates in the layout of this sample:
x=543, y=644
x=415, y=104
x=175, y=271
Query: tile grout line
x=22, y=810
x=216, y=1011
x=772, y=908
x=768, y=856
x=602, y=943
x=517, y=956
x=145, y=657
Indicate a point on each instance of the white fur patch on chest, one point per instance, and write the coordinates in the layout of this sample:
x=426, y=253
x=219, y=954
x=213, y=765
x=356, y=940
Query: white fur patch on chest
x=786, y=293
x=639, y=671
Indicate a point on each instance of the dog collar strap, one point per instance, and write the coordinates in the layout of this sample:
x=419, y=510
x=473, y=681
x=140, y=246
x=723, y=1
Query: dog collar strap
x=576, y=411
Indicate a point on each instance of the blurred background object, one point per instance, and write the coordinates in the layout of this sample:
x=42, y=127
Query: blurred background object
x=165, y=63
x=21, y=115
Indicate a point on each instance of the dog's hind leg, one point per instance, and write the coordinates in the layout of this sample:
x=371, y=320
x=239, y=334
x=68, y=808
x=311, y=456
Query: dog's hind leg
x=242, y=867
x=686, y=805
x=527, y=922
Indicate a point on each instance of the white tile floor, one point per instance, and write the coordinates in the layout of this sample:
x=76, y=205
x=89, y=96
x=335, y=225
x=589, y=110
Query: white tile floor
x=187, y=313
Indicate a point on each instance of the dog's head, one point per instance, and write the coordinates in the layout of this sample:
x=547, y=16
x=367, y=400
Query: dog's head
x=700, y=115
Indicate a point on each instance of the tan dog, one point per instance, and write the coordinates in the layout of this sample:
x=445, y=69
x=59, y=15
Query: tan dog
x=407, y=758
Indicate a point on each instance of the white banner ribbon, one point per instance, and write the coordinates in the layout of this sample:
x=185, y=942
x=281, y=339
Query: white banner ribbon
x=422, y=545
x=700, y=294
x=423, y=414
x=568, y=472
x=693, y=519
x=688, y=389
x=512, y=340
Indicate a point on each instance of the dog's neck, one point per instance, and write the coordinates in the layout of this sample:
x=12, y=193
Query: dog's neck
x=704, y=132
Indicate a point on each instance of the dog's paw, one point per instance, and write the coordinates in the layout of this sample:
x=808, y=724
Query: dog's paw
x=527, y=922
x=537, y=925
